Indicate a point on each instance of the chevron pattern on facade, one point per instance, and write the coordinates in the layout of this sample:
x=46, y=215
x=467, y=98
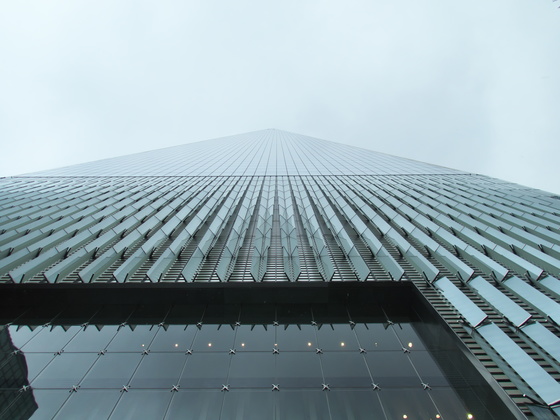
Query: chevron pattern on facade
x=272, y=206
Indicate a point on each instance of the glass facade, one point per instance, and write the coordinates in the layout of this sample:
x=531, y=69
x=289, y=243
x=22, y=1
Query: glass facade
x=337, y=361
x=286, y=218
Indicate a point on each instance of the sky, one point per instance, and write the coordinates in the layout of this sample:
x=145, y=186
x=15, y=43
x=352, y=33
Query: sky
x=468, y=85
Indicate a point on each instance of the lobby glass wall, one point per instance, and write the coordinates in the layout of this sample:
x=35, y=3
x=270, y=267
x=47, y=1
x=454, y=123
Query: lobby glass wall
x=239, y=361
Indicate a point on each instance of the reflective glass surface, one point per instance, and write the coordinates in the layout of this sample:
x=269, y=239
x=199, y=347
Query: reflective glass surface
x=295, y=369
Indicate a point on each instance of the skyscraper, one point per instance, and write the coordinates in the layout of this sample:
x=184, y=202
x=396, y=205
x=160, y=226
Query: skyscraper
x=274, y=275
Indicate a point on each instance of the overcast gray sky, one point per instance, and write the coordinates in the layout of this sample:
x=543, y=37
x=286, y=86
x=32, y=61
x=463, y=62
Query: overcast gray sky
x=469, y=85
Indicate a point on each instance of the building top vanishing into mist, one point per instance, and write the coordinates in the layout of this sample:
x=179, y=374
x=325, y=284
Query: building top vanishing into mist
x=274, y=275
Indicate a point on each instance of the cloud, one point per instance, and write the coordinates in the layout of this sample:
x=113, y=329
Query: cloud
x=470, y=85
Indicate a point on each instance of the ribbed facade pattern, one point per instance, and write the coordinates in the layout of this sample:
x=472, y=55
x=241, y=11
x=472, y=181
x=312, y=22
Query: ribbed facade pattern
x=271, y=206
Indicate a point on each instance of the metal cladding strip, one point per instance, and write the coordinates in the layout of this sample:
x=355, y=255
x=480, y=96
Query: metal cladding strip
x=29, y=253
x=437, y=251
x=548, y=262
x=466, y=307
x=530, y=371
x=551, y=284
x=487, y=246
x=469, y=253
x=552, y=236
x=393, y=269
x=484, y=262
x=34, y=206
x=235, y=193
x=22, y=224
x=139, y=257
x=507, y=307
x=263, y=231
x=440, y=253
x=543, y=338
x=140, y=224
x=330, y=218
x=44, y=260
x=52, y=215
x=313, y=231
x=376, y=221
x=105, y=232
x=132, y=263
x=524, y=258
x=535, y=298
x=238, y=231
x=288, y=232
x=522, y=234
x=7, y=237
x=446, y=258
x=23, y=241
x=200, y=207
x=418, y=261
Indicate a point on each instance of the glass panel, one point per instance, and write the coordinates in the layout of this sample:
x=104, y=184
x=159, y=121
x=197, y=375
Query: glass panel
x=175, y=338
x=373, y=337
x=539, y=300
x=20, y=335
x=112, y=370
x=451, y=407
x=136, y=340
x=210, y=338
x=89, y=405
x=301, y=404
x=408, y=336
x=49, y=402
x=142, y=404
x=242, y=405
x=472, y=313
x=391, y=369
x=92, y=339
x=65, y=371
x=511, y=310
x=544, y=338
x=252, y=370
x=50, y=340
x=537, y=378
x=205, y=370
x=36, y=362
x=255, y=339
x=159, y=370
x=337, y=337
x=298, y=370
x=295, y=339
x=345, y=370
x=355, y=405
x=428, y=369
x=409, y=404
x=195, y=405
